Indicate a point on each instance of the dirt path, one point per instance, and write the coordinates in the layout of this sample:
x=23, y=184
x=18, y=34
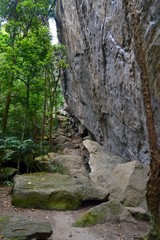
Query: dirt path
x=61, y=223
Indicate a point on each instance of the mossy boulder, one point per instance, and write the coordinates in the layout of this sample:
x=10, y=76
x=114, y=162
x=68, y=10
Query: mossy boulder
x=111, y=210
x=21, y=228
x=53, y=191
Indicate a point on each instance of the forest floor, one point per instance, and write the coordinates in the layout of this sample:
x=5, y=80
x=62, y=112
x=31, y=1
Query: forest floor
x=61, y=222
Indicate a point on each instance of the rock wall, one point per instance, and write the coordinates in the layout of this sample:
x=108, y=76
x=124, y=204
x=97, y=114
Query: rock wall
x=102, y=84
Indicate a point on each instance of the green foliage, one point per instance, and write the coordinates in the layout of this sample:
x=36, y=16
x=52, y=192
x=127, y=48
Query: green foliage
x=12, y=149
x=8, y=183
x=8, y=147
x=5, y=8
x=30, y=69
x=22, y=10
x=11, y=143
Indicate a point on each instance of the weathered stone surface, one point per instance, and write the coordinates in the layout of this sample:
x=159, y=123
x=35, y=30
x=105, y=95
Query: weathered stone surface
x=102, y=85
x=101, y=163
x=22, y=228
x=109, y=211
x=53, y=191
x=128, y=184
x=65, y=164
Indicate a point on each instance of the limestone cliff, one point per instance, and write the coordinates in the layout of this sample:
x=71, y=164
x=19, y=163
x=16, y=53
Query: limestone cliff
x=102, y=84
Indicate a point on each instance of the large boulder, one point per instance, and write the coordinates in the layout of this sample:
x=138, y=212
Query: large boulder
x=53, y=191
x=65, y=164
x=128, y=184
x=101, y=163
x=110, y=211
x=21, y=228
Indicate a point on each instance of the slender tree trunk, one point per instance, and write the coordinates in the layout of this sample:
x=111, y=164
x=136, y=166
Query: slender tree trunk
x=27, y=107
x=43, y=119
x=50, y=128
x=19, y=160
x=44, y=113
x=34, y=126
x=26, y=122
x=153, y=184
x=6, y=112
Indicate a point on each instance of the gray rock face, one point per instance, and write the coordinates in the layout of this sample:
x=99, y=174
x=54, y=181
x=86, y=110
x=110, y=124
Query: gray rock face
x=102, y=85
x=18, y=227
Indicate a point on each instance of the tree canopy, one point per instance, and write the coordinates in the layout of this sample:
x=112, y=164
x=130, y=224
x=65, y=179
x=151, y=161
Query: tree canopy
x=30, y=68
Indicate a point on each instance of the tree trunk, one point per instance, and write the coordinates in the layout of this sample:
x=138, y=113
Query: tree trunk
x=25, y=129
x=6, y=112
x=34, y=126
x=27, y=106
x=44, y=112
x=50, y=128
x=153, y=184
x=43, y=119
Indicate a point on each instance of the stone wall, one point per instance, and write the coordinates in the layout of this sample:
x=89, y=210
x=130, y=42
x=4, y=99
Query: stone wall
x=102, y=84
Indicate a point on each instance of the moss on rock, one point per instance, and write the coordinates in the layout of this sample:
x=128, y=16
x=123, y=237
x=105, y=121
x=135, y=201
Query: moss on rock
x=52, y=191
x=100, y=214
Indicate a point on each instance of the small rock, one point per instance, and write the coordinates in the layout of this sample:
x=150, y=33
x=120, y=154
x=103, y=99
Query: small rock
x=138, y=213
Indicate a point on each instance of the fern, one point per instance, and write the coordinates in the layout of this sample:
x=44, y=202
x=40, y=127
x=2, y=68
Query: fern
x=11, y=148
x=12, y=143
